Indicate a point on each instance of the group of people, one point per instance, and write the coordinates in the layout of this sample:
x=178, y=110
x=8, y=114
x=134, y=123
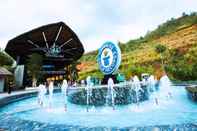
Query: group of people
x=42, y=90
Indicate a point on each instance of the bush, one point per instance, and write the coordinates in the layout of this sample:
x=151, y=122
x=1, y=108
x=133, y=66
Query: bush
x=5, y=59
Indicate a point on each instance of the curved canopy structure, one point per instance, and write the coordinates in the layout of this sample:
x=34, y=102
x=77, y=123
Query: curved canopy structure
x=57, y=42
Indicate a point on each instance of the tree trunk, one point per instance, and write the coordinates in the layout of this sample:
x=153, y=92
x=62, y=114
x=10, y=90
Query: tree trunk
x=34, y=81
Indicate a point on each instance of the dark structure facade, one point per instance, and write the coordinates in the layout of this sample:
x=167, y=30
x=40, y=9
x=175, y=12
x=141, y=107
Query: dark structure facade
x=56, y=42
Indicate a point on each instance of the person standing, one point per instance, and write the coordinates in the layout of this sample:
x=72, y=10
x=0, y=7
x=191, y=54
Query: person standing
x=10, y=85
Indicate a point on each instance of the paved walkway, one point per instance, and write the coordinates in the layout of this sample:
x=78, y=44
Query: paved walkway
x=27, y=90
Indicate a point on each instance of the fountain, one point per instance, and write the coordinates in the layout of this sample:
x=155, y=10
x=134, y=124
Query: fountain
x=151, y=84
x=165, y=88
x=64, y=88
x=110, y=93
x=89, y=105
x=88, y=92
x=170, y=114
x=50, y=93
x=137, y=88
x=41, y=94
x=18, y=74
x=151, y=88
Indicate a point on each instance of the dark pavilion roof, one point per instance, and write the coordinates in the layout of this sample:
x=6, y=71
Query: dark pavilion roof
x=57, y=42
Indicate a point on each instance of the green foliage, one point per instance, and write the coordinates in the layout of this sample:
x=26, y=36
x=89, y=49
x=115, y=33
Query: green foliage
x=172, y=25
x=74, y=71
x=94, y=73
x=183, y=66
x=160, y=48
x=138, y=70
x=34, y=65
x=181, y=71
x=5, y=59
x=132, y=45
x=168, y=27
x=178, y=65
x=134, y=69
x=91, y=56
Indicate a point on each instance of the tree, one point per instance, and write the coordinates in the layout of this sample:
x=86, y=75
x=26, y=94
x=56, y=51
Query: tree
x=34, y=66
x=5, y=59
x=184, y=14
x=72, y=71
x=160, y=49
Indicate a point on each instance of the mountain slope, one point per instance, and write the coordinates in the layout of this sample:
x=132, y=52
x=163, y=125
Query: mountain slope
x=139, y=55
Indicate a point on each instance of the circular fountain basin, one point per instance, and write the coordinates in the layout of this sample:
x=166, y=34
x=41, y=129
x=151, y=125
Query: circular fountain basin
x=177, y=112
x=123, y=96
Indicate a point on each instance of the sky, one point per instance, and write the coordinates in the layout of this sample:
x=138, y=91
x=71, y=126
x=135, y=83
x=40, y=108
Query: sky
x=94, y=21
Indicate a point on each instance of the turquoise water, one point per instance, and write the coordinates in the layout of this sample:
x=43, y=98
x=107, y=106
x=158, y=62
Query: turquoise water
x=176, y=110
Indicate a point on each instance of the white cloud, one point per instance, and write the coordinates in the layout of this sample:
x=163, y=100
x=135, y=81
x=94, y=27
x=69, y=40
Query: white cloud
x=93, y=21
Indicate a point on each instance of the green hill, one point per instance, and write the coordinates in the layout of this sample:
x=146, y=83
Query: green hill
x=139, y=55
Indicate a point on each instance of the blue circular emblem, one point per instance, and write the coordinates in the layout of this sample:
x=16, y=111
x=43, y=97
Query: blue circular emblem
x=109, y=57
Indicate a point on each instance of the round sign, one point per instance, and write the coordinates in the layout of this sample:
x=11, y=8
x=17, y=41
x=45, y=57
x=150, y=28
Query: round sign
x=109, y=57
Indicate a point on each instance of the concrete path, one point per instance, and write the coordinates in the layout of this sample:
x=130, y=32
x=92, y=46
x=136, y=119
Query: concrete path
x=13, y=93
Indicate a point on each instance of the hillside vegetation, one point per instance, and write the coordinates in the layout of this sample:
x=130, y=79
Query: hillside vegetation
x=179, y=36
x=5, y=60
